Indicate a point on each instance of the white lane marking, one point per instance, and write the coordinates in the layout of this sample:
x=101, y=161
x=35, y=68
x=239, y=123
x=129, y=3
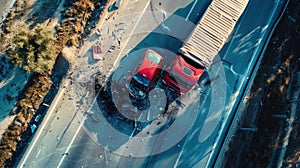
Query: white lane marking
x=77, y=131
x=133, y=29
x=72, y=141
x=187, y=17
x=38, y=153
x=43, y=125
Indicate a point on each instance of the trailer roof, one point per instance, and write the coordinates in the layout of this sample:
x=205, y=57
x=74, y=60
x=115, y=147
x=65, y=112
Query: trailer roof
x=213, y=30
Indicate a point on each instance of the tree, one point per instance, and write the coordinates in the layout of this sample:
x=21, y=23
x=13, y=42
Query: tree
x=33, y=50
x=83, y=5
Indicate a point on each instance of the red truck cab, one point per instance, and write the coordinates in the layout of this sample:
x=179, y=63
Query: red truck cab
x=181, y=75
x=145, y=74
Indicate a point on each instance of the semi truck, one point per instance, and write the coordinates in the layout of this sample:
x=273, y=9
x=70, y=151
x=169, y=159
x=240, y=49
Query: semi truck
x=203, y=44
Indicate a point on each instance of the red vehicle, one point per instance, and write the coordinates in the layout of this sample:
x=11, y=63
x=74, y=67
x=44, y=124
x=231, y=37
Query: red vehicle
x=182, y=76
x=97, y=51
x=203, y=44
x=145, y=75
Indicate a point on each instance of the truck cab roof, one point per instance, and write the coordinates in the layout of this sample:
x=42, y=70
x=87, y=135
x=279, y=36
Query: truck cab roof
x=187, y=72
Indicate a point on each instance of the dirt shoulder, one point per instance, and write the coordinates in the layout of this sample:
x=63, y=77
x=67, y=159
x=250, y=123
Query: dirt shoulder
x=270, y=100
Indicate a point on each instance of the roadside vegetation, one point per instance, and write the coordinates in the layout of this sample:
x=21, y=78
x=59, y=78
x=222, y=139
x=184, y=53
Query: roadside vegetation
x=35, y=50
x=71, y=29
x=33, y=96
x=10, y=21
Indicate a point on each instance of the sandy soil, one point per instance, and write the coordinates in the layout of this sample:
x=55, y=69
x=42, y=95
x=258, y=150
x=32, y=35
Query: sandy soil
x=12, y=82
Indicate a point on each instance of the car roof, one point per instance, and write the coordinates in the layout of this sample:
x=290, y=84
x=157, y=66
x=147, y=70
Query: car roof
x=150, y=67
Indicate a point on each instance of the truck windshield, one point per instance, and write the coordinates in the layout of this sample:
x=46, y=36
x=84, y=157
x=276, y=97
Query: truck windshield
x=180, y=81
x=153, y=57
x=187, y=70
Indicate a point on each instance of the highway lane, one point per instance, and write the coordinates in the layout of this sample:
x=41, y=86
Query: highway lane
x=55, y=137
x=199, y=146
x=117, y=159
x=86, y=149
x=64, y=121
x=247, y=43
x=203, y=140
x=210, y=130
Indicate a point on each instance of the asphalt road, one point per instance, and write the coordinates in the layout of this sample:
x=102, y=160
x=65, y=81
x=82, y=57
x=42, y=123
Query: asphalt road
x=76, y=133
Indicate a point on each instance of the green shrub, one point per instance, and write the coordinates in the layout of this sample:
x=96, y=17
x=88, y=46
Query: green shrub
x=33, y=50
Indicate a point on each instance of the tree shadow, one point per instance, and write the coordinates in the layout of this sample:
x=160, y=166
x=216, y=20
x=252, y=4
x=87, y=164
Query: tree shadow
x=12, y=81
x=43, y=10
